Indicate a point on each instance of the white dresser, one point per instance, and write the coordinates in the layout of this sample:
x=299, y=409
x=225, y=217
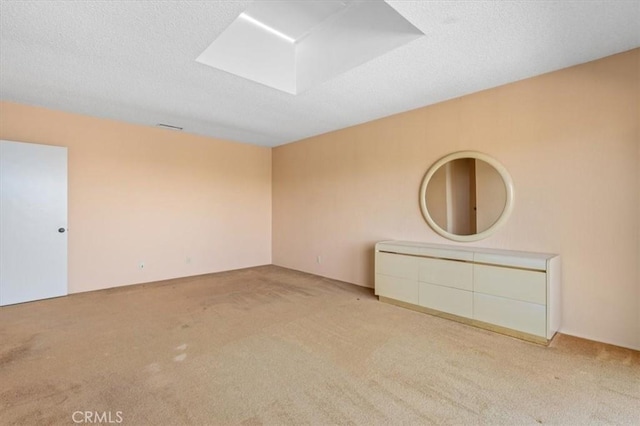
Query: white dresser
x=511, y=292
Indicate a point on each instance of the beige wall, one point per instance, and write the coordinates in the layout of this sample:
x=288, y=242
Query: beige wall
x=143, y=194
x=570, y=140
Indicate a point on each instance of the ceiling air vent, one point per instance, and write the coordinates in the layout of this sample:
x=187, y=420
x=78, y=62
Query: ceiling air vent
x=169, y=126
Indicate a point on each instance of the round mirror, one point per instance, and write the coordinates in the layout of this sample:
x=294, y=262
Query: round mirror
x=466, y=196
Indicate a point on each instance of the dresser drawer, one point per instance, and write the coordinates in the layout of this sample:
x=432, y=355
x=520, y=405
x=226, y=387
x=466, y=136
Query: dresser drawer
x=448, y=273
x=397, y=288
x=519, y=284
x=517, y=315
x=446, y=299
x=396, y=265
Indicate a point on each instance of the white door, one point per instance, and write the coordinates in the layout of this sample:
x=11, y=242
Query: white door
x=33, y=222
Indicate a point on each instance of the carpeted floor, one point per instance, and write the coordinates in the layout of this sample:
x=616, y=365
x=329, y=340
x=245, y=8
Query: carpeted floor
x=269, y=345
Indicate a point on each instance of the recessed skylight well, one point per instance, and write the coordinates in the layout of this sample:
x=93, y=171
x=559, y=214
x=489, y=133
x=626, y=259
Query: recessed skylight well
x=294, y=45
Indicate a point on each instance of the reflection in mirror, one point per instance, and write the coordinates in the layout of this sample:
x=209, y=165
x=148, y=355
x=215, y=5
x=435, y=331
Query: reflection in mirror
x=466, y=196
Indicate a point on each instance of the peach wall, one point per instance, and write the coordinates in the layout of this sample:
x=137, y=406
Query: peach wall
x=570, y=140
x=141, y=194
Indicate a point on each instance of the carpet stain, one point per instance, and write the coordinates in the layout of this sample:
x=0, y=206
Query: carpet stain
x=40, y=393
x=17, y=352
x=26, y=393
x=182, y=347
x=153, y=368
x=602, y=355
x=180, y=358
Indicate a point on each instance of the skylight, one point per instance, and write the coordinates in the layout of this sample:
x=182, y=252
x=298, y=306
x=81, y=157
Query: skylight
x=293, y=45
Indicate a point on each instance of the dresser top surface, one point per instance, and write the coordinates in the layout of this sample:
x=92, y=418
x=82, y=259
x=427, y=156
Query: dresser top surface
x=413, y=246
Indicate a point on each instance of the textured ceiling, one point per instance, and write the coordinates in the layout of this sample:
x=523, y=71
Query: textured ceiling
x=135, y=61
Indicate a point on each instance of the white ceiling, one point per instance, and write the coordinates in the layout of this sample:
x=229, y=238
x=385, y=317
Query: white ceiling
x=135, y=61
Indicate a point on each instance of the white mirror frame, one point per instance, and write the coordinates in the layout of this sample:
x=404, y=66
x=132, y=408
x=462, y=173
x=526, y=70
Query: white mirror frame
x=508, y=184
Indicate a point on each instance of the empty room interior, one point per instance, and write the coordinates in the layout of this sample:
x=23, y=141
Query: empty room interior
x=319, y=212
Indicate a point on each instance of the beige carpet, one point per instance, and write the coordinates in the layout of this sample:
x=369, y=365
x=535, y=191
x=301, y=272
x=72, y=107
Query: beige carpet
x=269, y=345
